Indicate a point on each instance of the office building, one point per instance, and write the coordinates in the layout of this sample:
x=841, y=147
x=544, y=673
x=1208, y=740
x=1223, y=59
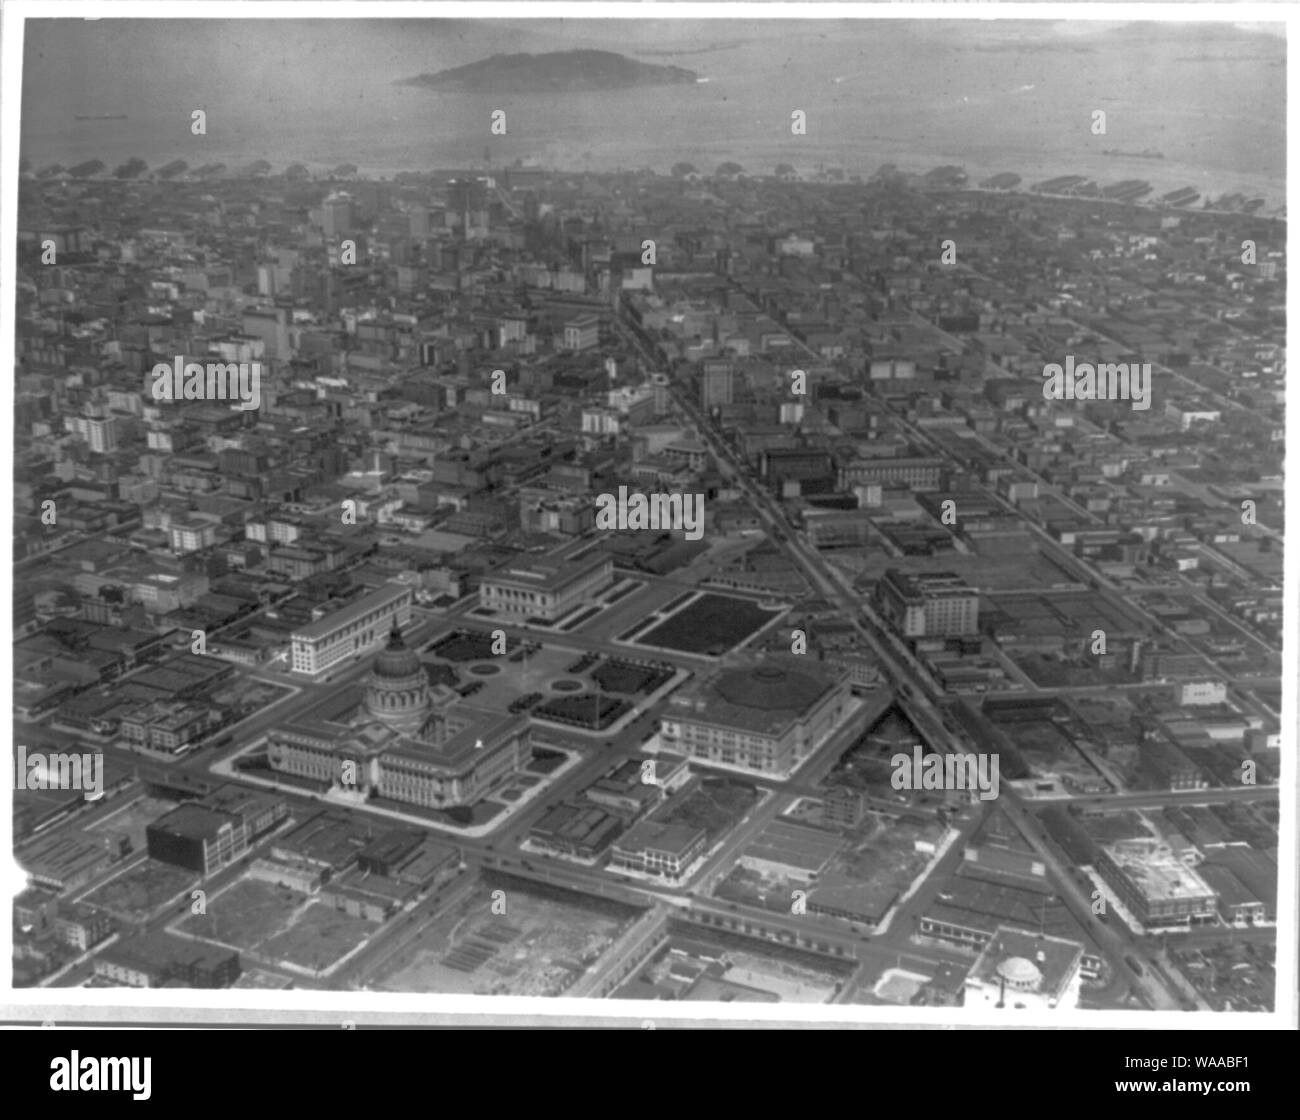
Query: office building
x=933, y=605
x=101, y=433
x=197, y=837
x=716, y=385
x=1155, y=886
x=582, y=332
x=352, y=631
x=916, y=473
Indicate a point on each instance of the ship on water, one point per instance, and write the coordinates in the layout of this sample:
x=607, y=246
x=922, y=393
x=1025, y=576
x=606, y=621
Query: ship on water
x=101, y=116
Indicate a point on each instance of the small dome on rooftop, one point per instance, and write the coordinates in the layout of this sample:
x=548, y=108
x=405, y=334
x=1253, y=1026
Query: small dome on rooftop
x=1021, y=971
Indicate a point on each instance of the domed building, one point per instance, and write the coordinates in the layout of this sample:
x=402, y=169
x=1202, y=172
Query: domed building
x=765, y=716
x=397, y=687
x=1020, y=975
x=396, y=736
x=1018, y=970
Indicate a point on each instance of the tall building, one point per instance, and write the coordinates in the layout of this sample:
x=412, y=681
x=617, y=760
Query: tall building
x=935, y=604
x=582, y=332
x=337, y=216
x=468, y=200
x=192, y=534
x=716, y=385
x=100, y=432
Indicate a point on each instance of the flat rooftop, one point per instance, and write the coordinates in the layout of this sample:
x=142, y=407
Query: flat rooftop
x=674, y=839
x=328, y=837
x=374, y=600
x=472, y=730
x=1151, y=866
x=795, y=845
x=197, y=822
x=869, y=901
x=548, y=575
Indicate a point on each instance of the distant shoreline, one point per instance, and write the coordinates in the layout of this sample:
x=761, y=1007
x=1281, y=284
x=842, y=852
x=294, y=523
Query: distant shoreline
x=1171, y=179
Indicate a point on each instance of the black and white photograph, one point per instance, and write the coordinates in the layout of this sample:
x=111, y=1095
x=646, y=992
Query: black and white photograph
x=688, y=511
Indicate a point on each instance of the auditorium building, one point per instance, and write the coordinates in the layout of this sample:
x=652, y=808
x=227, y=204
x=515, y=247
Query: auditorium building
x=765, y=718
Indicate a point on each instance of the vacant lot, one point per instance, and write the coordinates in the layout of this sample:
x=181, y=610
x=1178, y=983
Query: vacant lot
x=319, y=938
x=136, y=894
x=279, y=924
x=539, y=946
x=246, y=915
x=133, y=819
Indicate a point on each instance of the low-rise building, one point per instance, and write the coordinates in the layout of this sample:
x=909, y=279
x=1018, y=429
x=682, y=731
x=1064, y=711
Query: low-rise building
x=1154, y=885
x=792, y=851
x=665, y=851
x=153, y=960
x=1023, y=971
x=576, y=830
x=82, y=926
x=639, y=784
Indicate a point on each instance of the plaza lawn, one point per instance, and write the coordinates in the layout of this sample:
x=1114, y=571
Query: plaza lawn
x=712, y=625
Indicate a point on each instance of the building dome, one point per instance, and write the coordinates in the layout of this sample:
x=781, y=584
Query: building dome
x=770, y=687
x=395, y=661
x=397, y=689
x=1020, y=972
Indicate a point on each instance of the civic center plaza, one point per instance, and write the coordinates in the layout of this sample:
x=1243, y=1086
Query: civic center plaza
x=396, y=736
